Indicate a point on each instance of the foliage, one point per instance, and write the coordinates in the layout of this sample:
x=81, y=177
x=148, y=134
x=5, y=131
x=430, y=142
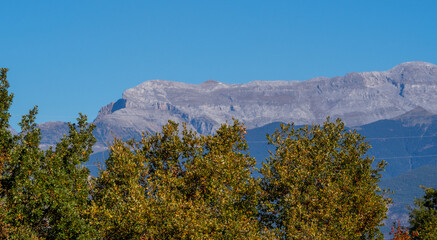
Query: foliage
x=423, y=219
x=119, y=209
x=44, y=193
x=179, y=185
x=400, y=232
x=319, y=184
x=5, y=143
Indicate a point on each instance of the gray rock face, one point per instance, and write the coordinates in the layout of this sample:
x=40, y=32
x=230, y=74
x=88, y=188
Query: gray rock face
x=357, y=98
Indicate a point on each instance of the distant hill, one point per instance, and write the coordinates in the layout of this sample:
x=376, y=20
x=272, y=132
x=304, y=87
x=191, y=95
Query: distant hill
x=405, y=189
x=406, y=142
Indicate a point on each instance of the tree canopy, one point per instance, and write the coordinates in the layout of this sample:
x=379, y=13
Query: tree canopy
x=45, y=194
x=319, y=184
x=177, y=184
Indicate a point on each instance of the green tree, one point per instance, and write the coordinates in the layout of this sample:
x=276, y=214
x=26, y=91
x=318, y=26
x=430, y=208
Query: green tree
x=6, y=141
x=45, y=194
x=423, y=219
x=20, y=181
x=319, y=184
x=8, y=148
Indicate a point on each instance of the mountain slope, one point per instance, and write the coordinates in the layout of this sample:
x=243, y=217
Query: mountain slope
x=406, y=142
x=406, y=188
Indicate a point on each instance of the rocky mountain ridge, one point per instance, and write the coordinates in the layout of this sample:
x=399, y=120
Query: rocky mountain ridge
x=357, y=98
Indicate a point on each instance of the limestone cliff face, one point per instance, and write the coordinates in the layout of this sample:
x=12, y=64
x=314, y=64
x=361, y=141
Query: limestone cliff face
x=357, y=98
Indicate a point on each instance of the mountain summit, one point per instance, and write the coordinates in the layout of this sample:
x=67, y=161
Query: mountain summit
x=356, y=98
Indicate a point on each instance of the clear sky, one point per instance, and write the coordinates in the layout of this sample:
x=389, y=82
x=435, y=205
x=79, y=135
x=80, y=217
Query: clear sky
x=77, y=56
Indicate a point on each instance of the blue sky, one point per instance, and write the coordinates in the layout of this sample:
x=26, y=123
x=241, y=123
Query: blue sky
x=77, y=56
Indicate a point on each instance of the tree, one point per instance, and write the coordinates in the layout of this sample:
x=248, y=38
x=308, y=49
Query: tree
x=5, y=143
x=319, y=184
x=177, y=185
x=47, y=191
x=45, y=194
x=8, y=148
x=423, y=219
x=119, y=208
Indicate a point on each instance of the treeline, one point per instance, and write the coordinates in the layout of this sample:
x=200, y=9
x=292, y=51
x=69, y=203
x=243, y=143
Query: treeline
x=176, y=184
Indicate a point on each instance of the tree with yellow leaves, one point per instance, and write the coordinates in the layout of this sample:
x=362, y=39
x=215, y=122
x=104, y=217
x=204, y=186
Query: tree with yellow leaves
x=319, y=184
x=179, y=185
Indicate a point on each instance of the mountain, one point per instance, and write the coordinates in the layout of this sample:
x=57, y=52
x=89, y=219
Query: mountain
x=394, y=109
x=357, y=98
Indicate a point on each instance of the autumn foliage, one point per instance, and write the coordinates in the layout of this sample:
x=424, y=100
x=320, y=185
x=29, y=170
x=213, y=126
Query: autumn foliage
x=399, y=232
x=319, y=184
